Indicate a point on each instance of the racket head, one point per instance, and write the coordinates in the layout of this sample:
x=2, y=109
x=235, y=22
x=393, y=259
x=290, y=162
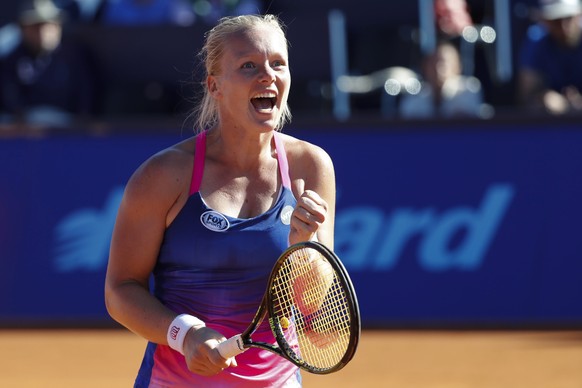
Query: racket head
x=313, y=309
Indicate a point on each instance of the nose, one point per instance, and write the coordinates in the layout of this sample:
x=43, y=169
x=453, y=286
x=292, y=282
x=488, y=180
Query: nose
x=267, y=74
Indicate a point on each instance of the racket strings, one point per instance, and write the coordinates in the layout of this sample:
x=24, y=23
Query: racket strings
x=313, y=309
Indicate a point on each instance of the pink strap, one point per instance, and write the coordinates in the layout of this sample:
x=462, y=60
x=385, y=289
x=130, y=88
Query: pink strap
x=198, y=168
x=282, y=158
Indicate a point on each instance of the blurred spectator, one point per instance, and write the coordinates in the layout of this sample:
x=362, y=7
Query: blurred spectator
x=212, y=10
x=44, y=79
x=444, y=92
x=551, y=58
x=452, y=16
x=143, y=12
x=176, y=12
x=84, y=11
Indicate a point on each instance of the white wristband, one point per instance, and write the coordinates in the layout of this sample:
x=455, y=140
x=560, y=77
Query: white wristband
x=179, y=328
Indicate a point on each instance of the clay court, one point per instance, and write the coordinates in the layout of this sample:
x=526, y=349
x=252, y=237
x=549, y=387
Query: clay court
x=416, y=359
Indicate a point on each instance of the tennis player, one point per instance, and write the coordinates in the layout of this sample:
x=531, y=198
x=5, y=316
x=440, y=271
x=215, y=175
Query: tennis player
x=209, y=216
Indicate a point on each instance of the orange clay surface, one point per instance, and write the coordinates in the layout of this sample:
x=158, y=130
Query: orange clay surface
x=400, y=359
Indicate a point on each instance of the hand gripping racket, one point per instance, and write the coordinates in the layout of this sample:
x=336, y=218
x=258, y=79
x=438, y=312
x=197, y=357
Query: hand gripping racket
x=312, y=310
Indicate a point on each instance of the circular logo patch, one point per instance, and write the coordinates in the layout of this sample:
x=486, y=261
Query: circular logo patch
x=286, y=214
x=214, y=221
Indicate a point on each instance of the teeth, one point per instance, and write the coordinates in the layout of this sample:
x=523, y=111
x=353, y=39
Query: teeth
x=265, y=95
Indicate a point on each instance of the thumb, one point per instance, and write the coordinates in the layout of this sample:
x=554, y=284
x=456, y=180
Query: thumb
x=232, y=362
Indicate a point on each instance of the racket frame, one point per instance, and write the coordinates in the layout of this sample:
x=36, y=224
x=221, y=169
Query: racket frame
x=266, y=308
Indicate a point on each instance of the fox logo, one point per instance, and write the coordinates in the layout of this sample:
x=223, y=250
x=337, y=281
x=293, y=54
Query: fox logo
x=214, y=221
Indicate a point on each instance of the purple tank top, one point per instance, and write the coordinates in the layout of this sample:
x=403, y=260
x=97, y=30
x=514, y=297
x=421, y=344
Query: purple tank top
x=216, y=268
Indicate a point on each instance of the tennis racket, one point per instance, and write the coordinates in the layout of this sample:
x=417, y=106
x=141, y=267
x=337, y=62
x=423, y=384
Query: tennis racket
x=312, y=311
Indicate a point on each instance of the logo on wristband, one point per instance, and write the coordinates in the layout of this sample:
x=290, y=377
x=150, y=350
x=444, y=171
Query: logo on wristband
x=174, y=332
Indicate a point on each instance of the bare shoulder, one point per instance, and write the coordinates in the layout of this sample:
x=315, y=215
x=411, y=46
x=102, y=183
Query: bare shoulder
x=310, y=168
x=305, y=154
x=164, y=174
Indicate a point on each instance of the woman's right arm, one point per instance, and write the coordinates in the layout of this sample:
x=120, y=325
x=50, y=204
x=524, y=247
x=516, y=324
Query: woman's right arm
x=137, y=236
x=150, y=195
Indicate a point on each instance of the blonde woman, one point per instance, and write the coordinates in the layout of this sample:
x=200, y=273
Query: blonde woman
x=209, y=216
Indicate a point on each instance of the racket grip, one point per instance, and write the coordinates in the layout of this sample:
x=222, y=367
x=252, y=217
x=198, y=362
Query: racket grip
x=231, y=347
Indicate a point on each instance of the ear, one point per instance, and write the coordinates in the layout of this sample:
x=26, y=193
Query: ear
x=212, y=85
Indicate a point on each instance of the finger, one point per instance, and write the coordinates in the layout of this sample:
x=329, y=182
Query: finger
x=314, y=203
x=310, y=213
x=224, y=363
x=207, y=367
x=313, y=198
x=313, y=195
x=304, y=220
x=214, y=367
x=301, y=231
x=221, y=361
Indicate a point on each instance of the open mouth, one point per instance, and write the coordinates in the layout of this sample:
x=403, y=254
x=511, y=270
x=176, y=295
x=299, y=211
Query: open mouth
x=264, y=102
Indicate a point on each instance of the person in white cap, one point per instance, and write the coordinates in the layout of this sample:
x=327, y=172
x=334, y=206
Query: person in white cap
x=549, y=75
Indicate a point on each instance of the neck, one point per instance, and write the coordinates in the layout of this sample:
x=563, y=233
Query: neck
x=240, y=149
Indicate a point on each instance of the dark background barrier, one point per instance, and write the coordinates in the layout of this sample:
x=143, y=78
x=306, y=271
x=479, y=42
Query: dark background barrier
x=441, y=224
x=152, y=69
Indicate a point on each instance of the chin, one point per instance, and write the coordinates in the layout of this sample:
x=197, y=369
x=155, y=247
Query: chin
x=270, y=123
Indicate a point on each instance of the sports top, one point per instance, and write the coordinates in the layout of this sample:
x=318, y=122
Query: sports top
x=216, y=267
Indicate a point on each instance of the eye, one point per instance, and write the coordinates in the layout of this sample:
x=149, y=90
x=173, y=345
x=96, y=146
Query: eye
x=278, y=63
x=248, y=65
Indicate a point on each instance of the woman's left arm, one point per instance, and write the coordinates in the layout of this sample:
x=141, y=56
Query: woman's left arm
x=313, y=176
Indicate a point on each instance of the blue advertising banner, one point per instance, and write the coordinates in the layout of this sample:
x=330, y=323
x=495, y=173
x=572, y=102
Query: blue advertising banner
x=436, y=227
x=458, y=228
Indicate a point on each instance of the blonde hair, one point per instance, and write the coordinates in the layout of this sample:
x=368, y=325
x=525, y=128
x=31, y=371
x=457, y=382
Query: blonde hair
x=206, y=112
